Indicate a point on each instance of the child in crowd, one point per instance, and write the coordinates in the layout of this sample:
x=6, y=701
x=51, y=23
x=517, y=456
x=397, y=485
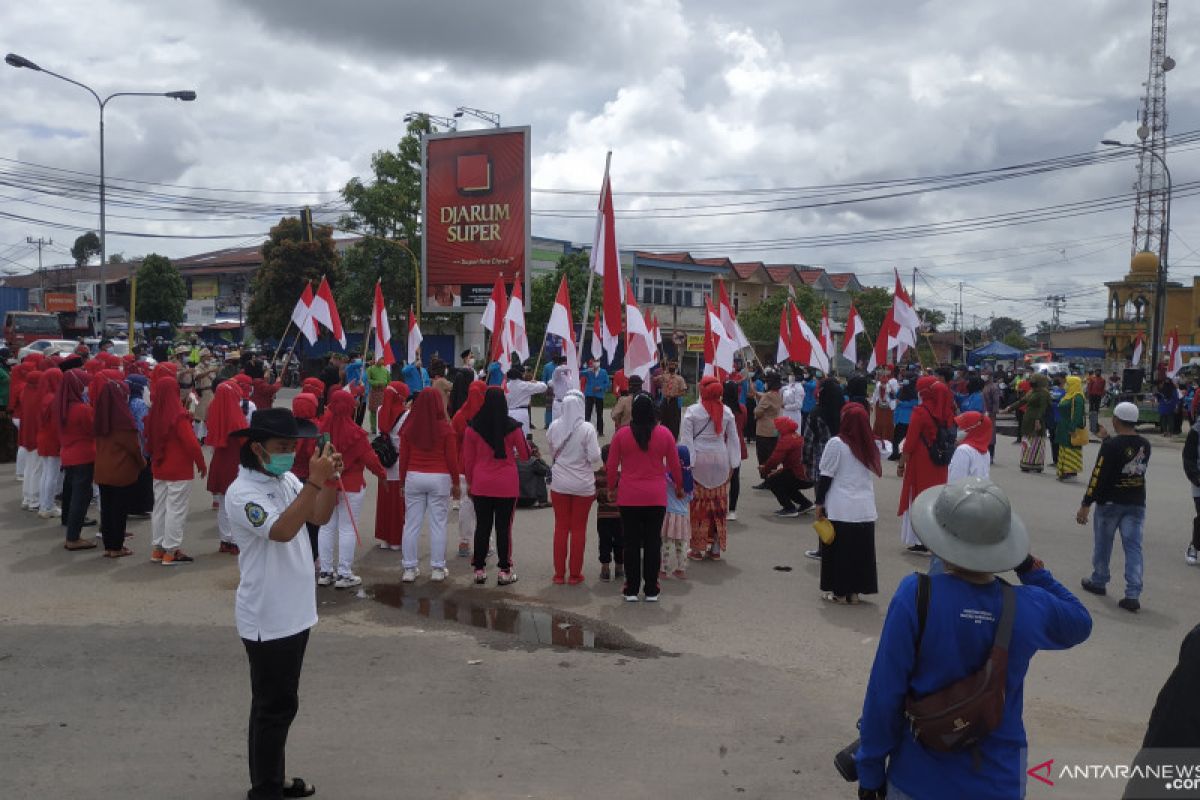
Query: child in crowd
x=677, y=524
x=608, y=526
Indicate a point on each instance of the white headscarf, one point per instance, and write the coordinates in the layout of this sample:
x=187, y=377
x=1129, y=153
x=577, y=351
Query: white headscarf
x=566, y=420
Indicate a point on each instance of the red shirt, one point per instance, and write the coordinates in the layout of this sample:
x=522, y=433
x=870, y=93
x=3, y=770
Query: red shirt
x=643, y=473
x=441, y=460
x=353, y=479
x=78, y=437
x=789, y=451
x=47, y=430
x=182, y=453
x=487, y=475
x=1096, y=386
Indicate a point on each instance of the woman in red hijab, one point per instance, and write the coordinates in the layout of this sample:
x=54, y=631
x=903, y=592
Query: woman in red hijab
x=31, y=401
x=304, y=407
x=48, y=448
x=784, y=472
x=936, y=409
x=430, y=474
x=710, y=433
x=225, y=416
x=350, y=440
x=119, y=462
x=16, y=387
x=77, y=447
x=971, y=457
x=462, y=418
x=846, y=497
x=174, y=453
x=389, y=503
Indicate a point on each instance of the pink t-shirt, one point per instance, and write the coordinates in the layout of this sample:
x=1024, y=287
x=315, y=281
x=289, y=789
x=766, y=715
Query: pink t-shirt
x=643, y=473
x=487, y=475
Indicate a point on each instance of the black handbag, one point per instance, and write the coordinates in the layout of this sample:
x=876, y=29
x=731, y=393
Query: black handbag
x=385, y=450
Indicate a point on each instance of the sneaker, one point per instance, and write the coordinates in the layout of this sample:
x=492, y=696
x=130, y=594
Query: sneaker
x=506, y=577
x=574, y=580
x=1094, y=588
x=731, y=516
x=1130, y=604
x=713, y=555
x=395, y=548
x=762, y=487
x=480, y=576
x=325, y=579
x=438, y=575
x=787, y=512
x=815, y=555
x=53, y=513
x=679, y=574
x=178, y=557
x=808, y=509
x=464, y=550
x=651, y=598
x=605, y=573
x=410, y=575
x=87, y=521
x=1190, y=556
x=156, y=555
x=383, y=545
x=630, y=598
x=347, y=581
x=695, y=555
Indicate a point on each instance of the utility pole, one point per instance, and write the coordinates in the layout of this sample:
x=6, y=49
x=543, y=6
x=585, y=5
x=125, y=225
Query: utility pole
x=913, y=294
x=40, y=242
x=962, y=319
x=1055, y=302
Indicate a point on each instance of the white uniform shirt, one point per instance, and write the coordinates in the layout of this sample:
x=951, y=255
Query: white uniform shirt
x=276, y=596
x=714, y=455
x=851, y=495
x=793, y=402
x=967, y=462
x=519, y=395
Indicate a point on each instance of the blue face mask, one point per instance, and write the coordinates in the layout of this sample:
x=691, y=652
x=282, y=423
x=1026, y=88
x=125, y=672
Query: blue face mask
x=279, y=463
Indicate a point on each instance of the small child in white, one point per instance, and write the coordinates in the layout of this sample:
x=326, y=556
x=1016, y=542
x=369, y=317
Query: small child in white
x=677, y=524
x=971, y=459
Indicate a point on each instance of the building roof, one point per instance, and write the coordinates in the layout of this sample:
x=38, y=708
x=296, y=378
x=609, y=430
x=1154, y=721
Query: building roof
x=678, y=258
x=841, y=280
x=746, y=269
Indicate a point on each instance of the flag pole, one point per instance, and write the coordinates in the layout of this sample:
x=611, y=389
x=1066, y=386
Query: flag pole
x=587, y=300
x=279, y=346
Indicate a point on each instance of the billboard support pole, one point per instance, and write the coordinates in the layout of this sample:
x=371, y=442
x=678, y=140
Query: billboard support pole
x=587, y=301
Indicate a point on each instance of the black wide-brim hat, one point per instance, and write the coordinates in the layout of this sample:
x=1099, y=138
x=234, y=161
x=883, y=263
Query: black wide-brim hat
x=277, y=423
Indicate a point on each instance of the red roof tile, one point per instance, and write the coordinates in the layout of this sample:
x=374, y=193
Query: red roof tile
x=746, y=268
x=840, y=279
x=780, y=273
x=680, y=258
x=714, y=262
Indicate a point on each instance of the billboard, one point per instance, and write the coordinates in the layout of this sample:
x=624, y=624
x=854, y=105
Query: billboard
x=200, y=312
x=59, y=301
x=85, y=294
x=205, y=288
x=475, y=207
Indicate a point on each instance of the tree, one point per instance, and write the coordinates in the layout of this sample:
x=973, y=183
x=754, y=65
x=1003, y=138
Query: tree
x=761, y=323
x=85, y=247
x=544, y=289
x=1001, y=327
x=1017, y=340
x=117, y=258
x=289, y=261
x=161, y=292
x=872, y=305
x=931, y=317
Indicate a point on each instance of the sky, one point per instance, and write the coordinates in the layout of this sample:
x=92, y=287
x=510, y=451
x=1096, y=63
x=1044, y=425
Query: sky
x=740, y=102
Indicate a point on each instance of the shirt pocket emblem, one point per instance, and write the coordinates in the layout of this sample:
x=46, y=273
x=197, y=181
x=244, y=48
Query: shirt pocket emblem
x=256, y=514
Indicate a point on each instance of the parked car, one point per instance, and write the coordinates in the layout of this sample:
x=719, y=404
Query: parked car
x=120, y=346
x=44, y=347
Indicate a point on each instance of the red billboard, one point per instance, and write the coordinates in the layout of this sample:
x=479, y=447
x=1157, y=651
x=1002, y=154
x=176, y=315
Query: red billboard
x=475, y=202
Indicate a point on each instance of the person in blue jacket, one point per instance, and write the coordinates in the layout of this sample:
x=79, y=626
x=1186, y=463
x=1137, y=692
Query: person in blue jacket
x=595, y=386
x=415, y=376
x=971, y=527
x=495, y=374
x=548, y=399
x=810, y=397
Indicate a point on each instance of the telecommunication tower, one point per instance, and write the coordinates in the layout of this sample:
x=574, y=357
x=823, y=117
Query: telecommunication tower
x=1150, y=210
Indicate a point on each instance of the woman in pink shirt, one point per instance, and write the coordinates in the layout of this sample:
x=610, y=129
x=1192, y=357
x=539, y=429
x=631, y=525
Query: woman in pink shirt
x=492, y=443
x=639, y=458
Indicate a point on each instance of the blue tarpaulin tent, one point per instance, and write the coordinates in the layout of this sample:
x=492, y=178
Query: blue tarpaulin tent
x=995, y=351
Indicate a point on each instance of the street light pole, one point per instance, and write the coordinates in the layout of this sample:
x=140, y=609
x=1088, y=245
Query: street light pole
x=1164, y=242
x=187, y=95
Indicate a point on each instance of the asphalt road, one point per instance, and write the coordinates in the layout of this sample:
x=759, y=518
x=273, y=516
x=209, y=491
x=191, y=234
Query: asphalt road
x=126, y=679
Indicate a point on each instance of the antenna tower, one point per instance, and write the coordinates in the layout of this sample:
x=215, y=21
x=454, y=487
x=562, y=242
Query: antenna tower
x=1150, y=210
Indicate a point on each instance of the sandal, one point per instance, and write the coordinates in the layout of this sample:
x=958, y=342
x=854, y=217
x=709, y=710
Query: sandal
x=830, y=597
x=79, y=544
x=124, y=551
x=298, y=788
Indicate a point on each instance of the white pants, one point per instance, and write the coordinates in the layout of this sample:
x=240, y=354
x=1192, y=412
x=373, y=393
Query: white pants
x=341, y=529
x=224, y=527
x=907, y=535
x=426, y=493
x=170, y=513
x=51, y=482
x=466, y=516
x=31, y=486
x=521, y=415
x=22, y=453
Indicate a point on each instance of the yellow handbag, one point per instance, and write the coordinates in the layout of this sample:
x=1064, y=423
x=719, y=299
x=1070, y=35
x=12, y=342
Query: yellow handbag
x=1079, y=437
x=824, y=530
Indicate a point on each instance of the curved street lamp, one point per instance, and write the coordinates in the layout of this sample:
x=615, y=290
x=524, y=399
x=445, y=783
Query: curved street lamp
x=186, y=95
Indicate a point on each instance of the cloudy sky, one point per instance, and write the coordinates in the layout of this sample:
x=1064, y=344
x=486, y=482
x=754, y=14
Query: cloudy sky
x=700, y=101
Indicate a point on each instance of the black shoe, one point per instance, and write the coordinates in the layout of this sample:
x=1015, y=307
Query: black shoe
x=1088, y=586
x=298, y=788
x=918, y=548
x=1130, y=604
x=761, y=486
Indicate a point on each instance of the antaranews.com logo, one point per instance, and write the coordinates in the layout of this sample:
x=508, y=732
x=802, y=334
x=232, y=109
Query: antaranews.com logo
x=1154, y=774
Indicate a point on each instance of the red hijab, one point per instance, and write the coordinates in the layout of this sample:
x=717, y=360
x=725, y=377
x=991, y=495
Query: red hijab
x=166, y=409
x=47, y=387
x=936, y=399
x=224, y=415
x=710, y=398
x=464, y=415
x=855, y=431
x=304, y=406
x=18, y=377
x=394, y=397
x=112, y=408
x=163, y=369
x=70, y=393
x=426, y=423
x=31, y=402
x=313, y=386
x=347, y=437
x=978, y=428
x=785, y=425
x=245, y=384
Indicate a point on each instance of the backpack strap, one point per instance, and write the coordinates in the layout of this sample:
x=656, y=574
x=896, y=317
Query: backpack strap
x=923, y=584
x=1007, y=615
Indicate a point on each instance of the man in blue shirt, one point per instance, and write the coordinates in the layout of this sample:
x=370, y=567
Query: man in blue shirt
x=356, y=384
x=971, y=527
x=548, y=379
x=595, y=385
x=415, y=376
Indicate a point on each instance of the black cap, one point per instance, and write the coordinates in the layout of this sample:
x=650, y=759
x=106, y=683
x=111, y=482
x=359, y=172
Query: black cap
x=277, y=423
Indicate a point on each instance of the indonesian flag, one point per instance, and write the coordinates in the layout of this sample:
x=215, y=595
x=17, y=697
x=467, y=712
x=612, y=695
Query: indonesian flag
x=414, y=336
x=514, y=324
x=383, y=331
x=1139, y=345
x=826, y=333
x=906, y=321
x=811, y=346
x=728, y=319
x=324, y=310
x=639, y=345
x=654, y=329
x=302, y=315
x=1174, y=353
x=854, y=327
x=597, y=337
x=494, y=311
x=783, y=351
x=885, y=340
x=719, y=346
x=560, y=325
x=606, y=262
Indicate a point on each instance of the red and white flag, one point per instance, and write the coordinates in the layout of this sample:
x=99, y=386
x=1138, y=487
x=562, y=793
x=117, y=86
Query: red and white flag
x=729, y=319
x=826, y=333
x=597, y=337
x=514, y=324
x=1174, y=353
x=383, y=331
x=854, y=327
x=493, y=312
x=561, y=325
x=639, y=345
x=302, y=315
x=719, y=346
x=905, y=320
x=654, y=329
x=1139, y=346
x=414, y=336
x=806, y=343
x=325, y=311
x=885, y=340
x=606, y=262
x=783, y=351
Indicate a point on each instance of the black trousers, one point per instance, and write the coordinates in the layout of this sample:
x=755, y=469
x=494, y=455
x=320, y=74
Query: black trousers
x=898, y=434
x=1196, y=524
x=764, y=446
x=77, y=496
x=312, y=529
x=750, y=405
x=735, y=488
x=612, y=544
x=641, y=528
x=274, y=700
x=142, y=501
x=115, y=505
x=596, y=404
x=493, y=512
x=786, y=488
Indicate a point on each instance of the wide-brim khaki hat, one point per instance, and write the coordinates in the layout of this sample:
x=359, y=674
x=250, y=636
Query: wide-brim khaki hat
x=970, y=524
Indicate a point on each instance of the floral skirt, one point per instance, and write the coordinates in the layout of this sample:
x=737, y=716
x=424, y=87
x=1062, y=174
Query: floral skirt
x=709, y=510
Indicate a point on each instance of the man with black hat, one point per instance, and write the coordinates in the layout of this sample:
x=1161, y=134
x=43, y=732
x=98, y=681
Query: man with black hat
x=276, y=605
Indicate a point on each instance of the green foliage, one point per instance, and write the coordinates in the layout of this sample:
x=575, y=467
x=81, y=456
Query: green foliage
x=761, y=323
x=117, y=258
x=931, y=317
x=289, y=261
x=1015, y=339
x=544, y=289
x=1001, y=327
x=161, y=292
x=872, y=304
x=85, y=247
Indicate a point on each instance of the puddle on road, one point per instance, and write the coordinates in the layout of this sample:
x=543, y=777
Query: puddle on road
x=527, y=625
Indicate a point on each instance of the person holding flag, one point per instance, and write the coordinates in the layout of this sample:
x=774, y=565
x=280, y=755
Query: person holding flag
x=595, y=386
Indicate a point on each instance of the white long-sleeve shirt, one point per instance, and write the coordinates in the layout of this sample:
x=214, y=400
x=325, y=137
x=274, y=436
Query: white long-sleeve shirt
x=793, y=402
x=714, y=455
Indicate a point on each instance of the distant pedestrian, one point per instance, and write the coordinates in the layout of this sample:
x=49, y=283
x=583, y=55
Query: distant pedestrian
x=709, y=431
x=174, y=453
x=595, y=387
x=575, y=449
x=429, y=473
x=768, y=407
x=1191, y=468
x=846, y=496
x=1167, y=395
x=1071, y=425
x=389, y=501
x=916, y=465
x=677, y=524
x=730, y=397
x=610, y=542
x=1031, y=409
x=785, y=474
x=823, y=424
x=77, y=438
x=906, y=401
x=225, y=416
x=119, y=461
x=1097, y=387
